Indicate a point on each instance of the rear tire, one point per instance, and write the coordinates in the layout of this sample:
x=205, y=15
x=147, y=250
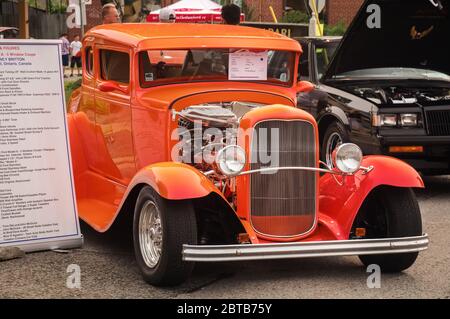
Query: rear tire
x=390, y=212
x=160, y=228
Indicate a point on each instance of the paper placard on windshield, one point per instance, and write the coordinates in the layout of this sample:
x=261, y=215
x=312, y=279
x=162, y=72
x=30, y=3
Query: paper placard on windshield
x=248, y=66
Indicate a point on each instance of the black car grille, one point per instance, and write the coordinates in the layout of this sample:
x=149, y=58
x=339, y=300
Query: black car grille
x=438, y=122
x=283, y=204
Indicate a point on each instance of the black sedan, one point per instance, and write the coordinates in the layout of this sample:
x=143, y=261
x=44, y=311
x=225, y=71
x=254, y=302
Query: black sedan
x=386, y=89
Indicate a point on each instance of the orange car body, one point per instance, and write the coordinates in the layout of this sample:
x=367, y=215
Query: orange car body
x=120, y=133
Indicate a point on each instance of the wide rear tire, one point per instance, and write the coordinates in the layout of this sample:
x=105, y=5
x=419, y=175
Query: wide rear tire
x=160, y=228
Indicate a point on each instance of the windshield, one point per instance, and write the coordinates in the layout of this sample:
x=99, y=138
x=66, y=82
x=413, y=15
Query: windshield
x=159, y=67
x=324, y=53
x=395, y=73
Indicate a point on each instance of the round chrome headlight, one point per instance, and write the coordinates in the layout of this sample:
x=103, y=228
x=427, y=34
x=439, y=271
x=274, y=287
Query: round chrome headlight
x=230, y=160
x=347, y=158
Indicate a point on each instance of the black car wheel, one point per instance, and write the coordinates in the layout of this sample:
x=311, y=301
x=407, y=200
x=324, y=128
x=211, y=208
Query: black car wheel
x=335, y=135
x=160, y=228
x=390, y=212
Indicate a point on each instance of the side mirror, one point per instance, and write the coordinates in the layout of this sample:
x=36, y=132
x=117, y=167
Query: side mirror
x=304, y=87
x=109, y=86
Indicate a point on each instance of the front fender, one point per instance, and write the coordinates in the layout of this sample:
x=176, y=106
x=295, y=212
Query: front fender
x=339, y=204
x=175, y=181
x=178, y=181
x=335, y=112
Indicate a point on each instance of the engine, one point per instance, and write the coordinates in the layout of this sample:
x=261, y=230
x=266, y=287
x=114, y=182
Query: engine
x=206, y=129
x=393, y=95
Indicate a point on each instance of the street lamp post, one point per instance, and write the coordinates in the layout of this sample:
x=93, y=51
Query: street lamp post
x=81, y=17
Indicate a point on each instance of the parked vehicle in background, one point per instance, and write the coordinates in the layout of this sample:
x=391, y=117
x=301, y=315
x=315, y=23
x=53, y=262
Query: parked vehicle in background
x=386, y=89
x=9, y=33
x=192, y=131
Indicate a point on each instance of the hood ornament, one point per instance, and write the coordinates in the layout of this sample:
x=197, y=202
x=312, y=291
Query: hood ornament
x=437, y=4
x=416, y=35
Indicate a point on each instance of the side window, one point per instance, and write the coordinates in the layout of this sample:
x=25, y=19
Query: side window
x=303, y=68
x=115, y=66
x=89, y=56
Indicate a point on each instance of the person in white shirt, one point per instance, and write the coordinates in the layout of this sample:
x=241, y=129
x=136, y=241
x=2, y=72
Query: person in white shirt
x=75, y=51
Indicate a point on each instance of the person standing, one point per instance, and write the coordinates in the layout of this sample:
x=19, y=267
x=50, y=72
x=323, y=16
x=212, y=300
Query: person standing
x=110, y=14
x=65, y=51
x=231, y=14
x=75, y=50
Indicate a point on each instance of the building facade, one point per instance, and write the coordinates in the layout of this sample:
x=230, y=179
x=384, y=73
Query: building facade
x=257, y=10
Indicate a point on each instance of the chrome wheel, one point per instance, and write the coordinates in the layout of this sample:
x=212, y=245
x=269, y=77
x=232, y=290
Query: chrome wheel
x=150, y=234
x=334, y=140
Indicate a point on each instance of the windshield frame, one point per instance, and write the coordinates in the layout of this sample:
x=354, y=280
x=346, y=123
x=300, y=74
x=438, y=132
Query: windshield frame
x=324, y=45
x=293, y=57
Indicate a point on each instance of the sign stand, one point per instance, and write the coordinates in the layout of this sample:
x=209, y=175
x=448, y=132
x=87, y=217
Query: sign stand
x=37, y=196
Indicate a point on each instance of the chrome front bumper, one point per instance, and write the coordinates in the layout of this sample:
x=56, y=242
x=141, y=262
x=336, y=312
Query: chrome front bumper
x=305, y=249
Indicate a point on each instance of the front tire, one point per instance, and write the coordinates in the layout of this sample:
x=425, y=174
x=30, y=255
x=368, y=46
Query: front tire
x=335, y=135
x=160, y=228
x=390, y=212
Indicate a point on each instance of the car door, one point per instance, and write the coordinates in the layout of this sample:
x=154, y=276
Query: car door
x=313, y=101
x=85, y=109
x=113, y=115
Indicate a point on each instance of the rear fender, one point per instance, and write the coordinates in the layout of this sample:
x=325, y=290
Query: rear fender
x=339, y=204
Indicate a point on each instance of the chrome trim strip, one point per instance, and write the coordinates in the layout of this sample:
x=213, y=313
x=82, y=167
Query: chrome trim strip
x=214, y=253
x=321, y=170
x=274, y=169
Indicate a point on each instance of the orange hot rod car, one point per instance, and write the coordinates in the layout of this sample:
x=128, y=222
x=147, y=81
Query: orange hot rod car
x=193, y=130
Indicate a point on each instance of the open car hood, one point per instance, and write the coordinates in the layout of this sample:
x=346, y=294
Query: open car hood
x=413, y=34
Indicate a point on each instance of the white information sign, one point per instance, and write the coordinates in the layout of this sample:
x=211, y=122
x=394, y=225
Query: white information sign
x=248, y=66
x=37, y=200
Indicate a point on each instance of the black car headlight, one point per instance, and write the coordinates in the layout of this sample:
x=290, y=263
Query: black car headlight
x=408, y=119
x=396, y=120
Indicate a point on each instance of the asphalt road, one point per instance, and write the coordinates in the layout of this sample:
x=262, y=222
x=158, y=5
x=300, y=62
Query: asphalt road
x=108, y=269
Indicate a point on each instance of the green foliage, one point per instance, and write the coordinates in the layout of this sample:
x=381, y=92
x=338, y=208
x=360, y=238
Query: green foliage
x=295, y=16
x=57, y=7
x=70, y=86
x=337, y=29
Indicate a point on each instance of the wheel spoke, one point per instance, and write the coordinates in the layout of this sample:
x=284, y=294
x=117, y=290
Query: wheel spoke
x=150, y=234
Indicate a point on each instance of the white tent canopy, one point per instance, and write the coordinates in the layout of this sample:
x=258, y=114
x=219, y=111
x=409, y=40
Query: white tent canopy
x=193, y=5
x=193, y=11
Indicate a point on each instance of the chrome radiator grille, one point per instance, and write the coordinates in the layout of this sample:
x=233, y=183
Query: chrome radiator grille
x=283, y=204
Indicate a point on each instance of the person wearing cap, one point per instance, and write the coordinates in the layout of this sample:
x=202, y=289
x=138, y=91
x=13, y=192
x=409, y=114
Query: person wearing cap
x=231, y=14
x=167, y=15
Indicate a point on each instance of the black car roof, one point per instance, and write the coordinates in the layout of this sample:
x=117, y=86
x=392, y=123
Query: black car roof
x=320, y=39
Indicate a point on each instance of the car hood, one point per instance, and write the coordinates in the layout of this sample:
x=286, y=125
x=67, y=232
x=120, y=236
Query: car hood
x=166, y=95
x=412, y=34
